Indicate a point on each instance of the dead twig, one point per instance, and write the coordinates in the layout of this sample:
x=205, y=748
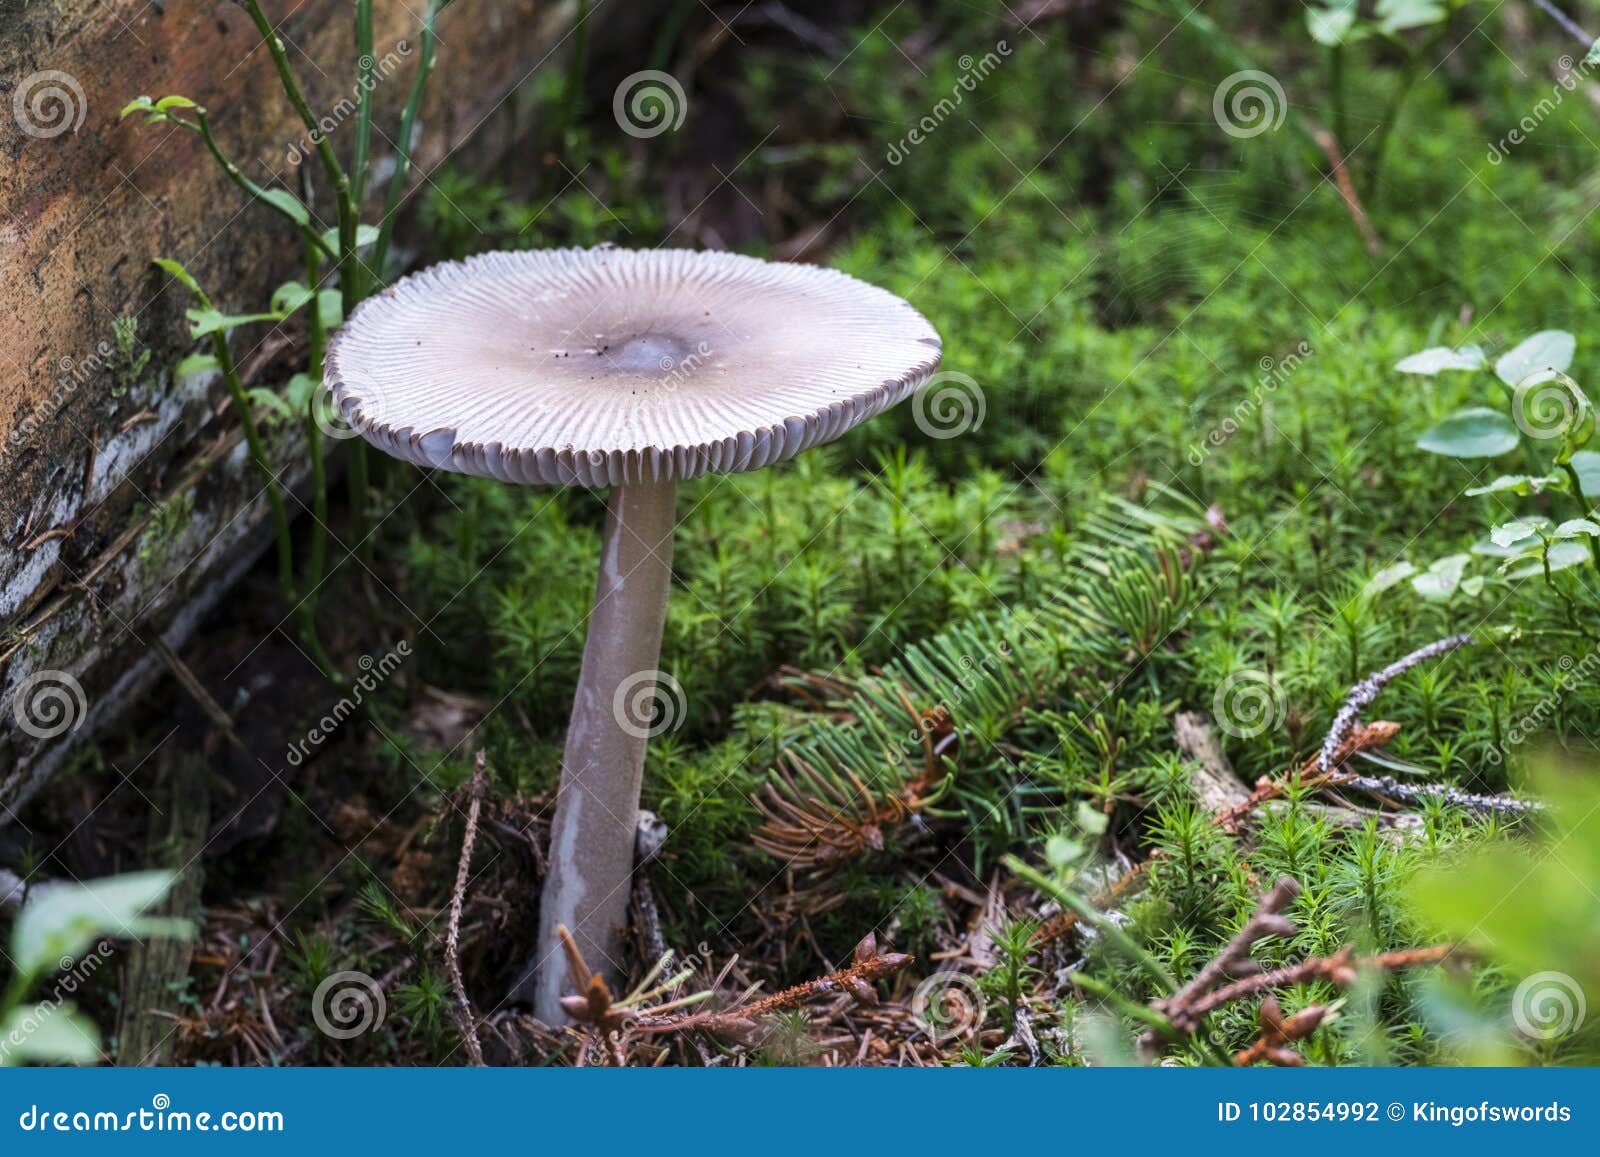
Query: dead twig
x=1388, y=787
x=1279, y=1032
x=1234, y=959
x=1364, y=692
x=1342, y=969
x=1369, y=737
x=1211, y=988
x=1347, y=189
x=867, y=966
x=462, y=1010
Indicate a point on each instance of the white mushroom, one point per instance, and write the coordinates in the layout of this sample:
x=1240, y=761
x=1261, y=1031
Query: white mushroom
x=630, y=370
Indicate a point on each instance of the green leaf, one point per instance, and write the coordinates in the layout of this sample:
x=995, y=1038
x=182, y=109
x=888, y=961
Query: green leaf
x=1441, y=358
x=49, y=1034
x=1514, y=540
x=288, y=297
x=299, y=391
x=1478, y=432
x=1593, y=55
x=1091, y=819
x=183, y=276
x=365, y=235
x=137, y=104
x=1587, y=465
x=1396, y=16
x=1442, y=578
x=205, y=322
x=195, y=364
x=168, y=103
x=1522, y=531
x=286, y=202
x=1550, y=349
x=1330, y=21
x=270, y=399
x=60, y=921
x=1560, y=556
x=1388, y=577
x=1576, y=528
x=331, y=308
x=1523, y=484
x=1532, y=903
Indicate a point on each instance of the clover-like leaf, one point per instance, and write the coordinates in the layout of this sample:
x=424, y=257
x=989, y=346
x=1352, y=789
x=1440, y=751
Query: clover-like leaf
x=183, y=276
x=1560, y=556
x=1331, y=22
x=1388, y=577
x=60, y=921
x=1396, y=16
x=1478, y=432
x=1441, y=358
x=1442, y=577
x=1522, y=530
x=1549, y=349
x=1524, y=484
x=194, y=365
x=1586, y=464
x=288, y=204
x=48, y=1034
x=1576, y=528
x=288, y=297
x=205, y=322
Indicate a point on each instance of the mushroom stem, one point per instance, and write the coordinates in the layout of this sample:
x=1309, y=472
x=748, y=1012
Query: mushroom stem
x=587, y=887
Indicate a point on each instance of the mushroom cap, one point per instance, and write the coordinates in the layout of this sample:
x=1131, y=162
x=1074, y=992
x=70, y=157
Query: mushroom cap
x=607, y=367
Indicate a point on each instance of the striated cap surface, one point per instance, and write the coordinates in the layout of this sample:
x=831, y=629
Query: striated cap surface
x=606, y=367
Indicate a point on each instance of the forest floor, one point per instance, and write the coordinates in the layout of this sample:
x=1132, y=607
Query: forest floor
x=1039, y=685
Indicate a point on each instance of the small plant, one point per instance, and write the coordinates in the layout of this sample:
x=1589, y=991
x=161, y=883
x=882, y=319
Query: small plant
x=1548, y=411
x=132, y=356
x=343, y=265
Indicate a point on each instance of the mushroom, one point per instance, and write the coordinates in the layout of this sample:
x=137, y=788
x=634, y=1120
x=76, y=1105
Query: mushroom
x=630, y=370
